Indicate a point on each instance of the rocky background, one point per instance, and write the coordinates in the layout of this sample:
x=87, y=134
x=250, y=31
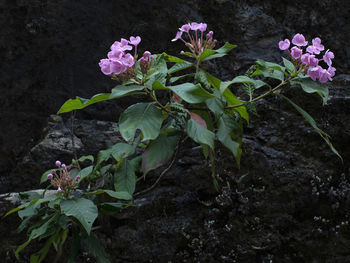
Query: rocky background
x=290, y=200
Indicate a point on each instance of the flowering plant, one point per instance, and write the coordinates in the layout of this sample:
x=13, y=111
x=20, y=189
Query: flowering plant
x=199, y=105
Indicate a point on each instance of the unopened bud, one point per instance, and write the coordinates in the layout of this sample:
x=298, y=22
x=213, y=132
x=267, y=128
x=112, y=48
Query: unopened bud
x=210, y=34
x=182, y=52
x=50, y=176
x=63, y=166
x=146, y=54
x=78, y=177
x=58, y=163
x=59, y=190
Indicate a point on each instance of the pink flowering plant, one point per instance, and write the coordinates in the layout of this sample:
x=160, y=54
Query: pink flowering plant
x=184, y=101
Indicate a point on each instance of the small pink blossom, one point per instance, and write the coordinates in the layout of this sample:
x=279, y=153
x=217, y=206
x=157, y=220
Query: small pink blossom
x=296, y=52
x=314, y=72
x=185, y=28
x=58, y=163
x=105, y=65
x=202, y=27
x=135, y=40
x=50, y=176
x=195, y=26
x=210, y=34
x=117, y=67
x=327, y=57
x=115, y=54
x=316, y=47
x=59, y=190
x=331, y=70
x=128, y=60
x=305, y=58
x=146, y=54
x=178, y=36
x=324, y=75
x=312, y=61
x=299, y=40
x=283, y=45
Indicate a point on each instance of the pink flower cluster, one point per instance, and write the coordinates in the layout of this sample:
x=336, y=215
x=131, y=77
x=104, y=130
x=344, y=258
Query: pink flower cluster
x=118, y=60
x=62, y=180
x=309, y=59
x=197, y=44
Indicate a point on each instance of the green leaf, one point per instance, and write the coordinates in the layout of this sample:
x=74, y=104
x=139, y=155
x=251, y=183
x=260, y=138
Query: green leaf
x=201, y=77
x=118, y=195
x=206, y=53
x=241, y=79
x=86, y=157
x=80, y=103
x=199, y=134
x=158, y=152
x=84, y=210
x=122, y=150
x=233, y=100
x=191, y=93
x=226, y=125
x=312, y=122
x=174, y=59
x=158, y=77
x=310, y=86
x=270, y=70
x=179, y=66
x=93, y=245
x=218, y=52
x=159, y=64
x=125, y=178
x=182, y=77
x=144, y=116
x=112, y=207
x=85, y=172
x=289, y=65
x=45, y=174
x=122, y=90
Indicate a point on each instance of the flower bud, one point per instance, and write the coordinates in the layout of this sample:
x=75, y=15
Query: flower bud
x=64, y=166
x=59, y=190
x=78, y=177
x=58, y=163
x=50, y=176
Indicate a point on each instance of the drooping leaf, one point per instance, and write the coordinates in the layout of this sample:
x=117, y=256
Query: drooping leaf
x=310, y=86
x=86, y=157
x=198, y=119
x=118, y=195
x=84, y=210
x=227, y=47
x=206, y=53
x=199, y=134
x=201, y=77
x=144, y=116
x=178, y=67
x=232, y=100
x=125, y=178
x=270, y=70
x=191, y=93
x=93, y=245
x=160, y=77
x=241, y=79
x=158, y=152
x=80, y=103
x=121, y=91
x=169, y=58
x=226, y=125
x=312, y=122
x=85, y=172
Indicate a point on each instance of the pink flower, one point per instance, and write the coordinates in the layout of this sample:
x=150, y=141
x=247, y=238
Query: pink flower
x=127, y=60
x=59, y=190
x=135, y=40
x=146, y=54
x=202, y=27
x=296, y=52
x=283, y=45
x=123, y=45
x=185, y=28
x=105, y=65
x=115, y=54
x=316, y=47
x=117, y=67
x=331, y=70
x=314, y=72
x=58, y=163
x=50, y=176
x=299, y=40
x=195, y=26
x=324, y=75
x=312, y=61
x=328, y=56
x=178, y=36
x=305, y=58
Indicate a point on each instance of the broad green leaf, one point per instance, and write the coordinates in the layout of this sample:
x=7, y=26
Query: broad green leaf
x=158, y=152
x=85, y=172
x=178, y=67
x=44, y=176
x=112, y=207
x=125, y=178
x=201, y=77
x=198, y=119
x=199, y=134
x=215, y=82
x=174, y=59
x=206, y=53
x=159, y=64
x=122, y=150
x=289, y=65
x=159, y=77
x=233, y=100
x=189, y=54
x=225, y=126
x=84, y=210
x=312, y=122
x=219, y=52
x=311, y=86
x=28, y=211
x=80, y=103
x=270, y=70
x=118, y=195
x=121, y=91
x=93, y=245
x=182, y=77
x=203, y=117
x=144, y=116
x=191, y=93
x=86, y=157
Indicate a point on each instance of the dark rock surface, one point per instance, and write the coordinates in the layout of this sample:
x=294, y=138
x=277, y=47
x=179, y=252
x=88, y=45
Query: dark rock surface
x=290, y=200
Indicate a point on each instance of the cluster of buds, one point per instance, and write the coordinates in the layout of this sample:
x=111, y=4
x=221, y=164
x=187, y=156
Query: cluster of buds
x=308, y=60
x=62, y=179
x=197, y=44
x=146, y=62
x=120, y=65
